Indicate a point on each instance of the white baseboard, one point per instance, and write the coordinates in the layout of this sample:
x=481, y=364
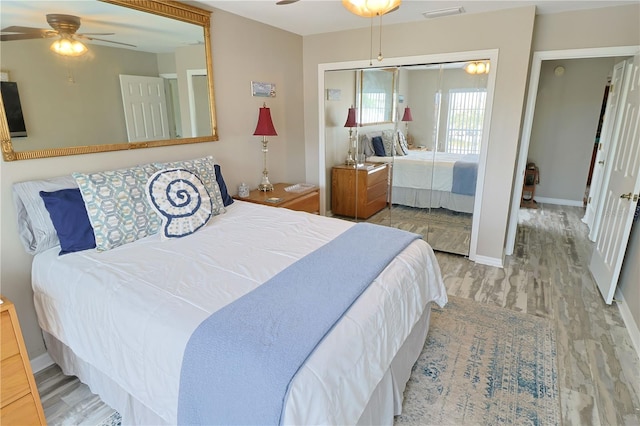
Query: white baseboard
x=560, y=202
x=41, y=362
x=629, y=322
x=489, y=261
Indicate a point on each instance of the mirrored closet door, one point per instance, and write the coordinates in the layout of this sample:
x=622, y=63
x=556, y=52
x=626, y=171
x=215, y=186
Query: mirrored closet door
x=410, y=160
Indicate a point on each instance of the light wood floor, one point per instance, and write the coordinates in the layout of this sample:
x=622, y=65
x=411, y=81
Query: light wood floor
x=598, y=370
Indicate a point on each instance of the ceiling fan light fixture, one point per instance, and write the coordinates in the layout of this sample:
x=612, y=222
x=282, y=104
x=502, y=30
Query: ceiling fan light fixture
x=67, y=46
x=478, y=67
x=370, y=8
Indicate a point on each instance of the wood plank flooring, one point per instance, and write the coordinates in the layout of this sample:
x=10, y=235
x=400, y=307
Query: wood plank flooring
x=598, y=371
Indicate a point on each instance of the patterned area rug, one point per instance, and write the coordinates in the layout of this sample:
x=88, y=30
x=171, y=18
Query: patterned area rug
x=484, y=365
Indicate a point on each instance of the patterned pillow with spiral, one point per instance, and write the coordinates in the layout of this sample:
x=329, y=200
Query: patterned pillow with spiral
x=182, y=201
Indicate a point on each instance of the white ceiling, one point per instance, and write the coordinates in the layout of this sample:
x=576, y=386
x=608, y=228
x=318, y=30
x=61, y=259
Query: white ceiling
x=307, y=17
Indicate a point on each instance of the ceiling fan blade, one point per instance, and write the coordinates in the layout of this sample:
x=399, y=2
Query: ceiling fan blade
x=283, y=2
x=27, y=30
x=393, y=10
x=13, y=37
x=107, y=41
x=95, y=34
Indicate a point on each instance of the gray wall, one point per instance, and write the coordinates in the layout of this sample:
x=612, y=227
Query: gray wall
x=564, y=125
x=629, y=282
x=82, y=94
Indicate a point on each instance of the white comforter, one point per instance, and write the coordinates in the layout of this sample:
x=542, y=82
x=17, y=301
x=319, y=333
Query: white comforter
x=130, y=311
x=423, y=169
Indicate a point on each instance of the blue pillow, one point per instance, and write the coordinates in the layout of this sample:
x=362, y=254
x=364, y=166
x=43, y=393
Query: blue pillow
x=378, y=146
x=226, y=198
x=69, y=216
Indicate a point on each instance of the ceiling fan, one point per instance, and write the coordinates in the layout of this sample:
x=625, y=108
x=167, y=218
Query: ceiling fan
x=365, y=8
x=63, y=26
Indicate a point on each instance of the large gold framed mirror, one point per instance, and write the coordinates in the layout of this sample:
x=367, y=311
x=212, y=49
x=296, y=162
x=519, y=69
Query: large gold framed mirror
x=145, y=81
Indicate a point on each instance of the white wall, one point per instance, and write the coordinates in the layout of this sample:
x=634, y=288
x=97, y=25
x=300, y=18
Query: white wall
x=565, y=123
x=238, y=151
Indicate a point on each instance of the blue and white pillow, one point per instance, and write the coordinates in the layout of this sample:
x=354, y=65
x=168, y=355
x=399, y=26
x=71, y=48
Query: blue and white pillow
x=117, y=206
x=180, y=197
x=205, y=169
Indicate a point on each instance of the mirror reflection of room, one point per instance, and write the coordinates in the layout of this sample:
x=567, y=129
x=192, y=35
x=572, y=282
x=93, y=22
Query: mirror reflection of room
x=93, y=97
x=430, y=150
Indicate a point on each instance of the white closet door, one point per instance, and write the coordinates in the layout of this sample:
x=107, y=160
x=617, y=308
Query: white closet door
x=145, y=108
x=622, y=189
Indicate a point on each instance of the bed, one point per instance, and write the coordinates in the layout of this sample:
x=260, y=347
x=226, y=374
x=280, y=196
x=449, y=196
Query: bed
x=433, y=179
x=120, y=319
x=421, y=178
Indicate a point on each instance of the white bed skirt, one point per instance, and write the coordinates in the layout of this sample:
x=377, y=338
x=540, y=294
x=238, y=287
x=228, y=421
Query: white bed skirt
x=384, y=404
x=424, y=198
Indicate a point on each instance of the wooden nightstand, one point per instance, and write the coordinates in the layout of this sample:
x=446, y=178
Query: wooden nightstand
x=19, y=398
x=370, y=190
x=305, y=201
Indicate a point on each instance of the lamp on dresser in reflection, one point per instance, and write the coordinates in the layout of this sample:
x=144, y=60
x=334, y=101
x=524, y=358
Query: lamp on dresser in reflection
x=406, y=117
x=265, y=128
x=351, y=123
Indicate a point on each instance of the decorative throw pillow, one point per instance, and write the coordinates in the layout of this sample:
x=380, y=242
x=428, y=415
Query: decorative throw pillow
x=35, y=229
x=398, y=149
x=181, y=199
x=366, y=146
x=403, y=143
x=69, y=216
x=226, y=198
x=388, y=141
x=378, y=147
x=117, y=206
x=205, y=169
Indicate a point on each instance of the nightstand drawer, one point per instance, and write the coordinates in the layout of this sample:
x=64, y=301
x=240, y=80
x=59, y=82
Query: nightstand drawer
x=22, y=412
x=14, y=380
x=377, y=176
x=377, y=191
x=8, y=344
x=307, y=203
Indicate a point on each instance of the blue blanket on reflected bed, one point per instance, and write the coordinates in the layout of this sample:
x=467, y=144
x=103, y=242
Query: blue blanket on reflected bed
x=465, y=175
x=239, y=362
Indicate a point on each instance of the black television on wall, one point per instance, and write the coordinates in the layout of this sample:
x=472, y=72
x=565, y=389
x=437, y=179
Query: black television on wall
x=13, y=109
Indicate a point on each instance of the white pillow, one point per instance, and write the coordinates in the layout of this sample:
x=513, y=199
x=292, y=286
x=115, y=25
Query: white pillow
x=181, y=199
x=35, y=229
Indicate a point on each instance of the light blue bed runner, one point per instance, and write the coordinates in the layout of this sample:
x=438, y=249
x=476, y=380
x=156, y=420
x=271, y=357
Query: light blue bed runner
x=465, y=175
x=239, y=362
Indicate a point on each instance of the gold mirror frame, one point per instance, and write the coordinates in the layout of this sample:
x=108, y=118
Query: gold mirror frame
x=168, y=9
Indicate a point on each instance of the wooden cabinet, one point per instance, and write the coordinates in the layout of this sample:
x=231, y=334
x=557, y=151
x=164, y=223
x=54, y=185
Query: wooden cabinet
x=19, y=398
x=359, y=192
x=305, y=201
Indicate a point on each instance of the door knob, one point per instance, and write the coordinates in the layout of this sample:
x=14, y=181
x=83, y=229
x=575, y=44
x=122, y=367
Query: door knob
x=627, y=196
x=601, y=162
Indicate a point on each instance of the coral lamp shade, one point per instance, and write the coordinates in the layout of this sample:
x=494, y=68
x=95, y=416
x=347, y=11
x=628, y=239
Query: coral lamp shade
x=407, y=115
x=351, y=118
x=265, y=125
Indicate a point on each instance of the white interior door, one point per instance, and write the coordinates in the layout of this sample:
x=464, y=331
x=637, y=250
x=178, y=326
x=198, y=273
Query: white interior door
x=622, y=189
x=605, y=148
x=145, y=108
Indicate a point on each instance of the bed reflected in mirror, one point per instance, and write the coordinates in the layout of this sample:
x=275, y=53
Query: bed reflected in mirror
x=430, y=159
